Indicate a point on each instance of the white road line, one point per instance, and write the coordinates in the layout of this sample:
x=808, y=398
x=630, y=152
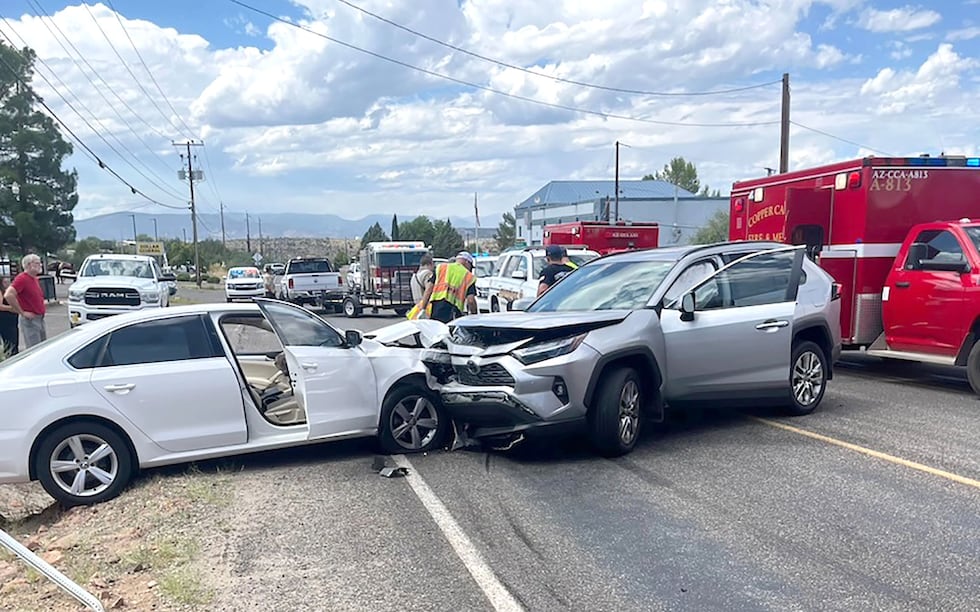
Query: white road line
x=500, y=598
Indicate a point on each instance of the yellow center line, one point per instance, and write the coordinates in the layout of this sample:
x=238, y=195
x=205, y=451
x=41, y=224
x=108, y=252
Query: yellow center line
x=970, y=482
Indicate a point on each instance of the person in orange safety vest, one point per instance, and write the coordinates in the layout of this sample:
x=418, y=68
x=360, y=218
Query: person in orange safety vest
x=451, y=290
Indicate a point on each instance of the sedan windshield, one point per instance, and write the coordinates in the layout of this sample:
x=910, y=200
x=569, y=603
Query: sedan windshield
x=610, y=285
x=117, y=267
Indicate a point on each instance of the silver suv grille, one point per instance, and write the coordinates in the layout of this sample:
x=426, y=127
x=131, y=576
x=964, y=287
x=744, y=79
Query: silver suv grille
x=492, y=375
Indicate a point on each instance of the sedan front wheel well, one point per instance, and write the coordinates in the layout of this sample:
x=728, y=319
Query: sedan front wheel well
x=84, y=419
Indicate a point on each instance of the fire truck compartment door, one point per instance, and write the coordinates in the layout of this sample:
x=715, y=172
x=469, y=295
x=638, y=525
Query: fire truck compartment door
x=806, y=211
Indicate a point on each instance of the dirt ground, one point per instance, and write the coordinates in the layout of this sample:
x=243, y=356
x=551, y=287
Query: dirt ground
x=149, y=549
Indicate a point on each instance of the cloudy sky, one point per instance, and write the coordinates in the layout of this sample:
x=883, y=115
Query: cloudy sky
x=534, y=91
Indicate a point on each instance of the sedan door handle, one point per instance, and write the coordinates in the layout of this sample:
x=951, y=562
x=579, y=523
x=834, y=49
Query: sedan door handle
x=902, y=284
x=120, y=388
x=771, y=325
x=309, y=365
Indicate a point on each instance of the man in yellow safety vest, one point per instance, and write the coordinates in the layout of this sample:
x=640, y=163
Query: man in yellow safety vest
x=451, y=290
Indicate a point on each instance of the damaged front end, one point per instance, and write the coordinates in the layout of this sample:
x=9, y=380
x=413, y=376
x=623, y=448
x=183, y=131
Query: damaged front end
x=504, y=376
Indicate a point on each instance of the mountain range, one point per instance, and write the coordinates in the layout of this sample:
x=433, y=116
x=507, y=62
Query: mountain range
x=119, y=226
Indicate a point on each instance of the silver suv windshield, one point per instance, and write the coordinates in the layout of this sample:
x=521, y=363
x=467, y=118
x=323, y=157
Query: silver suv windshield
x=117, y=267
x=605, y=285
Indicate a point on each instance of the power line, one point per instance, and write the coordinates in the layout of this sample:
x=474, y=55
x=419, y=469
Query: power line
x=88, y=124
x=104, y=98
x=829, y=135
x=126, y=66
x=90, y=152
x=504, y=64
x=147, y=68
x=37, y=4
x=491, y=89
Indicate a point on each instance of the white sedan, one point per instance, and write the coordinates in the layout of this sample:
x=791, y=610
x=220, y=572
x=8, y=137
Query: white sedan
x=84, y=411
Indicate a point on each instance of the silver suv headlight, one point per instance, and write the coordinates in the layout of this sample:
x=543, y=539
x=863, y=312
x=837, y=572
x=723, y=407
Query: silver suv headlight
x=540, y=351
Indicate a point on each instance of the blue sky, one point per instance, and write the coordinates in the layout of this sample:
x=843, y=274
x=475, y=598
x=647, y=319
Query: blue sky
x=293, y=122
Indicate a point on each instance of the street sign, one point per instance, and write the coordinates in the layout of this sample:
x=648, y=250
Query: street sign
x=149, y=248
x=257, y=258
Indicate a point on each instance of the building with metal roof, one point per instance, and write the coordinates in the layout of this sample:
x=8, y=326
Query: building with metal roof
x=679, y=212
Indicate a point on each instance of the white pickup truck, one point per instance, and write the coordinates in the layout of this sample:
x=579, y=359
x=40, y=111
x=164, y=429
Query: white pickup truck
x=517, y=271
x=308, y=279
x=110, y=284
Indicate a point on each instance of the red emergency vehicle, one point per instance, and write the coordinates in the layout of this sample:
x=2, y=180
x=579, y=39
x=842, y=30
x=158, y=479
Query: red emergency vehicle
x=900, y=236
x=602, y=237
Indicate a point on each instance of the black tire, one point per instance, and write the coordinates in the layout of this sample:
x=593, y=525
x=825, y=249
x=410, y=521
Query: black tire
x=616, y=415
x=401, y=312
x=807, y=378
x=417, y=433
x=56, y=445
x=351, y=308
x=494, y=305
x=973, y=368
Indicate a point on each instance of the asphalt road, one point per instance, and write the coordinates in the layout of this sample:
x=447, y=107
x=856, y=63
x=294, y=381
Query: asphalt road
x=871, y=503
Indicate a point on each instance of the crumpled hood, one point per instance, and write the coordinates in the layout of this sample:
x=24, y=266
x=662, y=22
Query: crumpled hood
x=506, y=331
x=430, y=332
x=142, y=284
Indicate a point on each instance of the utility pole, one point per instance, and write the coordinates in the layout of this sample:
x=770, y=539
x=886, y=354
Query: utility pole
x=248, y=235
x=184, y=229
x=260, y=237
x=135, y=235
x=156, y=234
x=190, y=178
x=784, y=129
x=618, y=144
x=221, y=206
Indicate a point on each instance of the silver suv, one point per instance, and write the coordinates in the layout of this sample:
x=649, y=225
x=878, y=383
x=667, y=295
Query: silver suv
x=627, y=334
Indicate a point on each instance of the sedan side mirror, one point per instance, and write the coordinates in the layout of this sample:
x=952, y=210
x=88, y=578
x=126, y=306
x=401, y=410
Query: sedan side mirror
x=687, y=307
x=353, y=338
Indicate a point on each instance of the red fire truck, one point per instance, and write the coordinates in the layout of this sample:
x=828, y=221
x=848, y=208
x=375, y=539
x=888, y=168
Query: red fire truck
x=603, y=237
x=902, y=238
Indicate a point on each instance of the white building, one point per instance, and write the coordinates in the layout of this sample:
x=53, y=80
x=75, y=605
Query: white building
x=680, y=213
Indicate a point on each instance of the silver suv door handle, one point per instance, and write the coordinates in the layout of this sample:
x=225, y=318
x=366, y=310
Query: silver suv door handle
x=771, y=325
x=120, y=388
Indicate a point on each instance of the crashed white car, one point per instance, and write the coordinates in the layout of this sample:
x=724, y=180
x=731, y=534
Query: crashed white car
x=84, y=411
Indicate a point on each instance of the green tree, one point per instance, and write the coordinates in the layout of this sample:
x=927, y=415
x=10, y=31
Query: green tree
x=419, y=228
x=447, y=241
x=374, y=234
x=394, y=228
x=506, y=234
x=706, y=192
x=678, y=172
x=36, y=196
x=715, y=230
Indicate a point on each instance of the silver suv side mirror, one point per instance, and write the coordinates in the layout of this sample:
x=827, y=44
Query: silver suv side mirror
x=687, y=307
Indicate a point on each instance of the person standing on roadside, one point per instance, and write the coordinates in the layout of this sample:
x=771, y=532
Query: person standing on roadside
x=9, y=336
x=421, y=277
x=555, y=268
x=453, y=290
x=24, y=295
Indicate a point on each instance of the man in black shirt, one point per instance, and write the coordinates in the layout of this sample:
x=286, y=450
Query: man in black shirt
x=554, y=269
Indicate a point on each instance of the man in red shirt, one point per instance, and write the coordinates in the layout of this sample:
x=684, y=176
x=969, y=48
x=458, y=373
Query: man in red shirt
x=26, y=298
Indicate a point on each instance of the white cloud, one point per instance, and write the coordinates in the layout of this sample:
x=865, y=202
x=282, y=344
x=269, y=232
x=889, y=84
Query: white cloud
x=964, y=33
x=307, y=125
x=898, y=20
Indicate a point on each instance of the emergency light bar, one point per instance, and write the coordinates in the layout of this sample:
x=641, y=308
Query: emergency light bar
x=960, y=161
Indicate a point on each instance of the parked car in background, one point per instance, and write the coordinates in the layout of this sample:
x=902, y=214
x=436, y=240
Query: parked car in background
x=157, y=387
x=109, y=284
x=623, y=336
x=484, y=268
x=306, y=280
x=244, y=282
x=517, y=273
